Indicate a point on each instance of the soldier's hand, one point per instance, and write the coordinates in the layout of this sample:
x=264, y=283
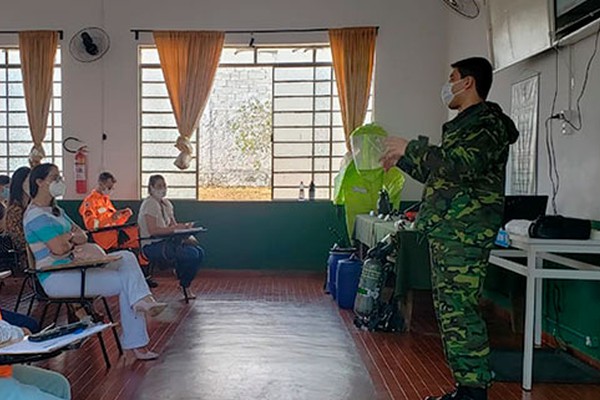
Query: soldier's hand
x=395, y=147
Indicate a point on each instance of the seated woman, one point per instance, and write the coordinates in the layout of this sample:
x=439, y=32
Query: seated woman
x=13, y=219
x=156, y=217
x=25, y=382
x=55, y=239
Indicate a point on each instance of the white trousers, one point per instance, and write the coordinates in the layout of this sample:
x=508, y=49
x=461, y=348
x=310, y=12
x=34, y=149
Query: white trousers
x=31, y=383
x=123, y=278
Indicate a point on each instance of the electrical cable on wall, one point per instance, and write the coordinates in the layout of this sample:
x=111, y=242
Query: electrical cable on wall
x=553, y=173
x=558, y=309
x=577, y=127
x=549, y=139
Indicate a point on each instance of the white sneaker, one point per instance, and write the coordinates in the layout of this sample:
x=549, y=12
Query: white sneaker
x=145, y=355
x=150, y=308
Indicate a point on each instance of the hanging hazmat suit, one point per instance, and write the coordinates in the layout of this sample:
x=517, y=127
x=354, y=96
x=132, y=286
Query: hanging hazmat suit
x=361, y=175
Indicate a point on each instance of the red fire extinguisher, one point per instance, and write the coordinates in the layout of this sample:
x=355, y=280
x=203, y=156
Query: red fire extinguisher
x=81, y=170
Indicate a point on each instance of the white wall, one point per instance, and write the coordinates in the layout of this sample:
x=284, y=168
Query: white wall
x=578, y=154
x=411, y=57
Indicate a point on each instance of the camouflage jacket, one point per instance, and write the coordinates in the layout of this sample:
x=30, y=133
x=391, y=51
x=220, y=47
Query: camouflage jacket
x=464, y=176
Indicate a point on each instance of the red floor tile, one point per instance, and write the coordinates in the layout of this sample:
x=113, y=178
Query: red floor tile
x=402, y=366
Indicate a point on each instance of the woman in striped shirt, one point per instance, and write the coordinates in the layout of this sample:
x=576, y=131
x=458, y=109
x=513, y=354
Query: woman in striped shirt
x=52, y=237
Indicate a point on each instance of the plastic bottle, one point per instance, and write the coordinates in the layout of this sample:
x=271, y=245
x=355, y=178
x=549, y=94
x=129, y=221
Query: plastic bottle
x=301, y=194
x=311, y=191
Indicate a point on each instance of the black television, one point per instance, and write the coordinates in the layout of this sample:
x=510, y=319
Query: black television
x=571, y=15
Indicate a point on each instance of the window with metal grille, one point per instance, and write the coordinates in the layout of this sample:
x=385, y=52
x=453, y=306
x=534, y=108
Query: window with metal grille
x=272, y=121
x=15, y=137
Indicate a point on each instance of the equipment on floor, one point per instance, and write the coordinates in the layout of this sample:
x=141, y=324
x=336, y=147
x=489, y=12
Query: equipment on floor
x=374, y=308
x=347, y=277
x=336, y=254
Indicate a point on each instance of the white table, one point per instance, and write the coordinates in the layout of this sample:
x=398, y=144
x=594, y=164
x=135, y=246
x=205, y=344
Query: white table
x=536, y=251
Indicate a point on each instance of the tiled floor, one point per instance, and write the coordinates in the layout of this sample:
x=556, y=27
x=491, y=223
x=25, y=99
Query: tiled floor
x=209, y=341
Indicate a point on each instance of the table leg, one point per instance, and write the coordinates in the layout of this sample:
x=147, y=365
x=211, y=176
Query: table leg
x=529, y=324
x=538, y=305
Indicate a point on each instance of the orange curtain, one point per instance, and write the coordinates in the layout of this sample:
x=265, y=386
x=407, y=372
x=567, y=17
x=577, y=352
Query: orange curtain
x=353, y=52
x=37, y=49
x=189, y=62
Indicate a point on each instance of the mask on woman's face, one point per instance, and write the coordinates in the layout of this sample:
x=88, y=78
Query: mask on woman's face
x=159, y=193
x=58, y=188
x=107, y=191
x=5, y=192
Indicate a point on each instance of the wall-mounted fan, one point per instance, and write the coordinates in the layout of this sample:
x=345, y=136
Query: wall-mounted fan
x=466, y=8
x=89, y=44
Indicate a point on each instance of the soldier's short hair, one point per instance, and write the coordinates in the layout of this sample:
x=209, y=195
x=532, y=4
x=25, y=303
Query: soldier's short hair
x=106, y=176
x=480, y=69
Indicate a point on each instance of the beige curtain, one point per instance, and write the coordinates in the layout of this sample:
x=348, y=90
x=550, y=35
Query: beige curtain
x=353, y=51
x=189, y=62
x=37, y=49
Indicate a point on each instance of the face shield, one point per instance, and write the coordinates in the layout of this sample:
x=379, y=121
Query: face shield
x=367, y=150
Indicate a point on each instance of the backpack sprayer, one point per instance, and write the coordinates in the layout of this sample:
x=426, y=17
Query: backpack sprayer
x=373, y=312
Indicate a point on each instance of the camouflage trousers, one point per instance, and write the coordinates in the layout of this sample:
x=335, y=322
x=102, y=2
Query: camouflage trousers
x=457, y=273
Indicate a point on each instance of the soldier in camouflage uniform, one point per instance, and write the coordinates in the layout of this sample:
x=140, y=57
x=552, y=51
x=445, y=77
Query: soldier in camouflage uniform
x=460, y=215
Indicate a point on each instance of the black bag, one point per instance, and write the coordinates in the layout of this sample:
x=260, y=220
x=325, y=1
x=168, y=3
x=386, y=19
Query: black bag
x=559, y=227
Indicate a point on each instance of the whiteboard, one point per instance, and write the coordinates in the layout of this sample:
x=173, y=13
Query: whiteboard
x=519, y=29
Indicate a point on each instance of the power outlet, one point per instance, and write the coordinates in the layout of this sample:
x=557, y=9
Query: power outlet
x=568, y=118
x=566, y=129
x=591, y=341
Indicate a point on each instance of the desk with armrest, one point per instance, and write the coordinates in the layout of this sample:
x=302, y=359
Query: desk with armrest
x=116, y=237
x=179, y=235
x=25, y=351
x=84, y=300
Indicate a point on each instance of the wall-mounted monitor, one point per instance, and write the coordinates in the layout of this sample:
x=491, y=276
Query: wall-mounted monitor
x=572, y=15
x=519, y=29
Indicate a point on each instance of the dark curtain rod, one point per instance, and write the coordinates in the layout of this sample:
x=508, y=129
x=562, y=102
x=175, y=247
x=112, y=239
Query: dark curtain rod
x=137, y=32
x=60, y=33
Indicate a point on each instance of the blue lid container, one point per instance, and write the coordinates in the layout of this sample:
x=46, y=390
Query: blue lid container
x=347, y=278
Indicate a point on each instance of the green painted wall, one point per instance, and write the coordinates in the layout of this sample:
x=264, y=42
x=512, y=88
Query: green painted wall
x=257, y=235
x=571, y=309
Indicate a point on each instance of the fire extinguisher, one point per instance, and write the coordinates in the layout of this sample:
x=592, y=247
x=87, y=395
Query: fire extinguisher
x=81, y=170
x=80, y=164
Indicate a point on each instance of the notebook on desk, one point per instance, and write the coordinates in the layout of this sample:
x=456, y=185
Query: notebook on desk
x=524, y=207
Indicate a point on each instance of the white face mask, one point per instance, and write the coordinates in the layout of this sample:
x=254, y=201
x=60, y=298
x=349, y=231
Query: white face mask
x=159, y=193
x=58, y=188
x=447, y=94
x=107, y=192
